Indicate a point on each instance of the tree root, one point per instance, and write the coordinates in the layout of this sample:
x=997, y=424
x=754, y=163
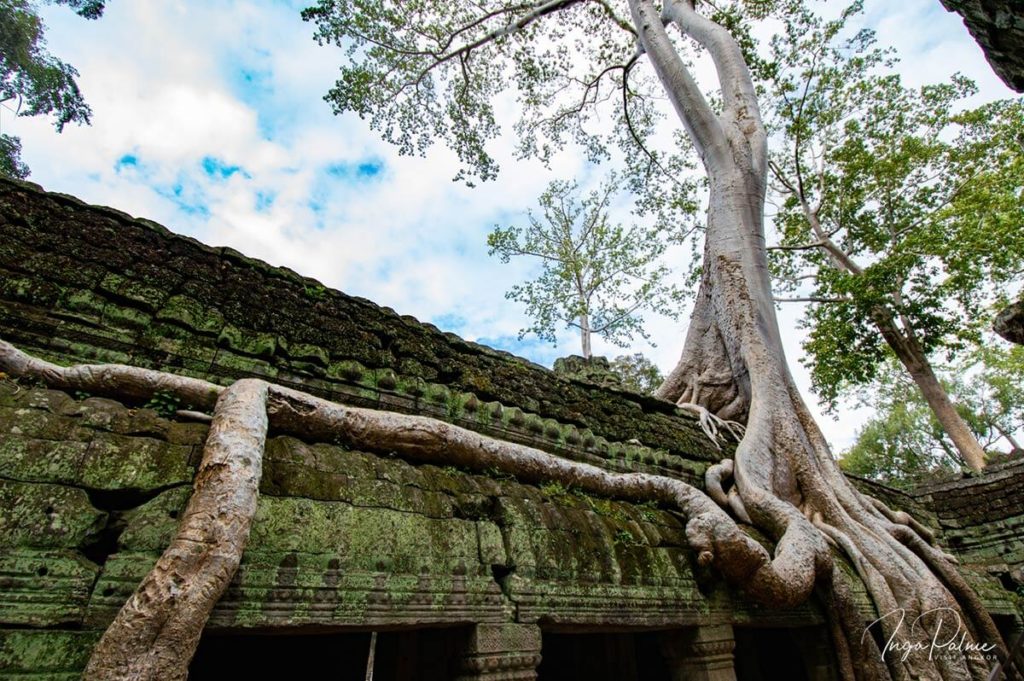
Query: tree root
x=155, y=633
x=713, y=425
x=714, y=479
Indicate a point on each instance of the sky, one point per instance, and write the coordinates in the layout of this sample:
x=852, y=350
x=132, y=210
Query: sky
x=208, y=117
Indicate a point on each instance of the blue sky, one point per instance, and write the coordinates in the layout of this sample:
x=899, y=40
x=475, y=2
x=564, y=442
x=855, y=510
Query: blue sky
x=209, y=118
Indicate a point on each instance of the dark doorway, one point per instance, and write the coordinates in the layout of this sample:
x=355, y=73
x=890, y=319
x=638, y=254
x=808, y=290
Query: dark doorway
x=601, y=657
x=769, y=654
x=417, y=655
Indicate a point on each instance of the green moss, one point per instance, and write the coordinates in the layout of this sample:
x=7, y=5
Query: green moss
x=51, y=655
x=44, y=587
x=247, y=342
x=42, y=515
x=117, y=462
x=145, y=296
x=150, y=527
x=191, y=314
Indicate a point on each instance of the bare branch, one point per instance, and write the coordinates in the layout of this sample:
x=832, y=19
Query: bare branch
x=813, y=299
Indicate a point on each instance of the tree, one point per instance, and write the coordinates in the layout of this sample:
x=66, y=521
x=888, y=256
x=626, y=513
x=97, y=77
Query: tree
x=596, y=276
x=638, y=373
x=901, y=215
x=432, y=70
x=39, y=82
x=904, y=444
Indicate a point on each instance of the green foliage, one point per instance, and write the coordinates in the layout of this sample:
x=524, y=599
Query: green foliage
x=40, y=83
x=896, y=201
x=596, y=276
x=433, y=71
x=553, y=488
x=903, y=445
x=11, y=164
x=164, y=403
x=638, y=373
x=316, y=292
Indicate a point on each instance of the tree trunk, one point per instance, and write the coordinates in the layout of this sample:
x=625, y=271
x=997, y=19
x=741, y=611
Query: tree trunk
x=783, y=476
x=913, y=358
x=585, y=335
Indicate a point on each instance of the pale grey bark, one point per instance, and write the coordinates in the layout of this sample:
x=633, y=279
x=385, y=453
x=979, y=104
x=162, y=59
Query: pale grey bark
x=585, y=335
x=155, y=634
x=733, y=364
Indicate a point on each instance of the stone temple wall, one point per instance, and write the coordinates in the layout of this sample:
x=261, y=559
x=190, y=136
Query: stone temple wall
x=982, y=520
x=91, y=488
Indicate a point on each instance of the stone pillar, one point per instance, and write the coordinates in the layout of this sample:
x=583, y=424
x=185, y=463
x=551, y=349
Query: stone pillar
x=501, y=652
x=700, y=653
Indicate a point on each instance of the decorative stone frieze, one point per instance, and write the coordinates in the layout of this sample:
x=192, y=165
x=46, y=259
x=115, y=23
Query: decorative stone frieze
x=502, y=652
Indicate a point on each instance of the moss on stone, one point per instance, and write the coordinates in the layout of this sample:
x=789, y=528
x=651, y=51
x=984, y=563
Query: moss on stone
x=48, y=655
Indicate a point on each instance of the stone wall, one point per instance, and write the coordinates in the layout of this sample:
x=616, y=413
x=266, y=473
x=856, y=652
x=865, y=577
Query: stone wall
x=90, y=492
x=982, y=520
x=81, y=282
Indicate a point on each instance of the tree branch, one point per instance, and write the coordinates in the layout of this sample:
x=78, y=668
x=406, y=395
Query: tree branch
x=736, y=84
x=813, y=299
x=700, y=121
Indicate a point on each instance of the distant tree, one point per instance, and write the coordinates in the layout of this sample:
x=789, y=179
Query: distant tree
x=597, y=276
x=33, y=80
x=904, y=444
x=638, y=373
x=902, y=214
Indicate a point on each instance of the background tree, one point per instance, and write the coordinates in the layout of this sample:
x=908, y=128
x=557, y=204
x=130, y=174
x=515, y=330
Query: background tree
x=638, y=373
x=904, y=444
x=32, y=81
x=596, y=276
x=432, y=70
x=902, y=214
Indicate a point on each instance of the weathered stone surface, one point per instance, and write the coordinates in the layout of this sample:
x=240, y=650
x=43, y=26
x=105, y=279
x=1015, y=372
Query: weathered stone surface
x=44, y=588
x=41, y=515
x=45, y=655
x=998, y=26
x=136, y=293
x=1009, y=323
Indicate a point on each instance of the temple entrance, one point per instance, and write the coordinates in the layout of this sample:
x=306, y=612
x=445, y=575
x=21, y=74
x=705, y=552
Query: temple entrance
x=416, y=655
x=794, y=654
x=602, y=657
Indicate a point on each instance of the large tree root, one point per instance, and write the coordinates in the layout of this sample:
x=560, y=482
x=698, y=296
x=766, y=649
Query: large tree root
x=783, y=480
x=155, y=633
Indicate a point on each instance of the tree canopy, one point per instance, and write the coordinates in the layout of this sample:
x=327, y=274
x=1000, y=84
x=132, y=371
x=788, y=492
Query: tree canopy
x=36, y=82
x=919, y=199
x=903, y=444
x=902, y=210
x=596, y=276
